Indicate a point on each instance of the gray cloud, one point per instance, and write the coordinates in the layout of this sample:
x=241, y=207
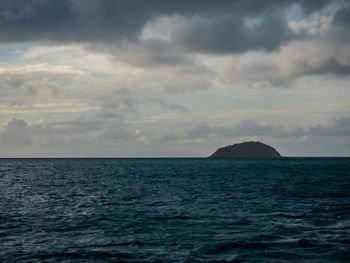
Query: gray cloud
x=16, y=132
x=115, y=137
x=169, y=47
x=244, y=128
x=170, y=137
x=328, y=52
x=339, y=127
x=191, y=27
x=42, y=88
x=342, y=18
x=77, y=126
x=175, y=107
x=118, y=21
x=83, y=130
x=230, y=34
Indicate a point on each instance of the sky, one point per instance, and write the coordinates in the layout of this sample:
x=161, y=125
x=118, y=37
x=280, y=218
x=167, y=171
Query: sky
x=164, y=78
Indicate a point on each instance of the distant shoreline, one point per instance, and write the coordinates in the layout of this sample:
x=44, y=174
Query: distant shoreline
x=282, y=157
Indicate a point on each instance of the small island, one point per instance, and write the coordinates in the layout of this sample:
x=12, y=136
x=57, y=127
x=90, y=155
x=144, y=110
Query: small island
x=246, y=150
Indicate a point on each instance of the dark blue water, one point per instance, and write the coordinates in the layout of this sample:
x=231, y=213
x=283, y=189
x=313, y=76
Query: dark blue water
x=174, y=210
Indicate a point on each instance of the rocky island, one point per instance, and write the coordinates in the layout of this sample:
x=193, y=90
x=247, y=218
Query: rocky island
x=246, y=150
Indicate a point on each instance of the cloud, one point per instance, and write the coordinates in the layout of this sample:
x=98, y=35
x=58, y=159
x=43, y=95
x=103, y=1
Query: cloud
x=322, y=51
x=243, y=128
x=147, y=54
x=67, y=106
x=325, y=50
x=173, y=33
x=109, y=21
x=231, y=34
x=41, y=88
x=16, y=132
x=169, y=117
x=76, y=134
x=251, y=128
x=175, y=107
x=115, y=137
x=341, y=23
x=19, y=131
x=254, y=69
x=45, y=87
x=168, y=138
x=110, y=75
x=340, y=127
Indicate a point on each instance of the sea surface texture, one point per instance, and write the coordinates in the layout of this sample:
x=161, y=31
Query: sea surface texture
x=174, y=210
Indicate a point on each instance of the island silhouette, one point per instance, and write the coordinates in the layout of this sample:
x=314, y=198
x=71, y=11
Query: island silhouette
x=246, y=150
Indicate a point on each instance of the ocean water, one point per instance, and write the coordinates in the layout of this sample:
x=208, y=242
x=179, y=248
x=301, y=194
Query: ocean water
x=174, y=210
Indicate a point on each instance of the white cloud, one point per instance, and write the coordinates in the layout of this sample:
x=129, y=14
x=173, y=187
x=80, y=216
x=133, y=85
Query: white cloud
x=41, y=68
x=67, y=106
x=315, y=25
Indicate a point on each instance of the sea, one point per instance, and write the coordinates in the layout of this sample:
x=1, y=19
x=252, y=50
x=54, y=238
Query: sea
x=175, y=210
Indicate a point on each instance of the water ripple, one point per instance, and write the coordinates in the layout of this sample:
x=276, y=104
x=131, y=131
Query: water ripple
x=174, y=210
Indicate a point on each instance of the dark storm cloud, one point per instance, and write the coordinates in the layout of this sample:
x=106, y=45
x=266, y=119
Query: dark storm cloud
x=230, y=34
x=310, y=6
x=219, y=25
x=22, y=20
x=342, y=17
x=332, y=67
x=341, y=25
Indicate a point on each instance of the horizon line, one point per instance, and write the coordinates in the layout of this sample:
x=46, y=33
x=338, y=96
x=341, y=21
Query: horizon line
x=176, y=157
